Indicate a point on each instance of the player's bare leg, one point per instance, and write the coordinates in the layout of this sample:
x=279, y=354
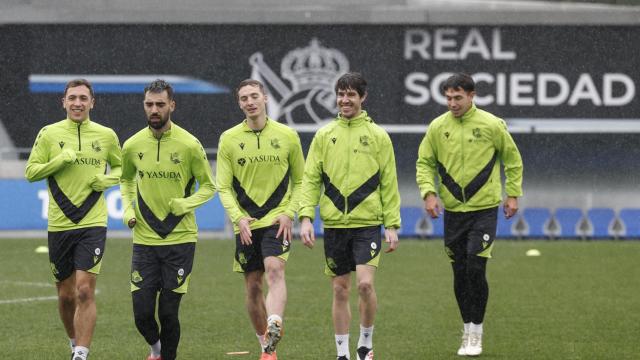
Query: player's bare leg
x=255, y=301
x=67, y=303
x=276, y=300
x=341, y=312
x=84, y=321
x=368, y=305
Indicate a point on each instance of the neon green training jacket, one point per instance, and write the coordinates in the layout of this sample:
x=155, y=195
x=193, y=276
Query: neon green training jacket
x=465, y=154
x=158, y=183
x=73, y=157
x=354, y=161
x=259, y=174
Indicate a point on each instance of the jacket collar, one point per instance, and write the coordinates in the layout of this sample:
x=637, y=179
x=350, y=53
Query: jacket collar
x=362, y=118
x=468, y=115
x=165, y=135
x=72, y=124
x=245, y=125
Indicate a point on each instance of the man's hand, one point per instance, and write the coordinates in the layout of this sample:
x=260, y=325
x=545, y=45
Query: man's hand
x=68, y=156
x=245, y=230
x=100, y=182
x=285, y=227
x=306, y=233
x=391, y=238
x=178, y=206
x=510, y=206
x=129, y=217
x=432, y=205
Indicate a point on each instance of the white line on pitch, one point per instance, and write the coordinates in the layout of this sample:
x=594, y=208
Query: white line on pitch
x=31, y=299
x=26, y=283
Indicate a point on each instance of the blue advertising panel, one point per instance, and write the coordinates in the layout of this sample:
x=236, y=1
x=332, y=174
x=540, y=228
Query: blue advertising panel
x=24, y=207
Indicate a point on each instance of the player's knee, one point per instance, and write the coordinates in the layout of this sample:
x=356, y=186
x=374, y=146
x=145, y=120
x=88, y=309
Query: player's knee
x=168, y=315
x=341, y=291
x=67, y=300
x=143, y=306
x=365, y=288
x=274, y=275
x=169, y=306
x=254, y=289
x=84, y=293
x=476, y=267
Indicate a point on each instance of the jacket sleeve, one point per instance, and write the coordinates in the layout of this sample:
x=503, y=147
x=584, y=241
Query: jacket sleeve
x=115, y=162
x=511, y=159
x=426, y=164
x=39, y=166
x=128, y=185
x=296, y=169
x=224, y=181
x=201, y=169
x=312, y=179
x=389, y=185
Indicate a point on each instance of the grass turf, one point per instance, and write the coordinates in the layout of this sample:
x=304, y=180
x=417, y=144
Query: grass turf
x=578, y=300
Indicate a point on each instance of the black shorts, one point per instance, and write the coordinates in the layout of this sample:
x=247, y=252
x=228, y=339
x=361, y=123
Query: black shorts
x=470, y=233
x=344, y=248
x=78, y=249
x=162, y=267
x=250, y=258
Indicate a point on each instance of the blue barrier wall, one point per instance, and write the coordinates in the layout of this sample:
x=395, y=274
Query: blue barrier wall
x=24, y=207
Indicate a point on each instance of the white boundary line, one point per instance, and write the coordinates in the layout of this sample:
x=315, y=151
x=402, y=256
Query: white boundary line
x=26, y=283
x=30, y=299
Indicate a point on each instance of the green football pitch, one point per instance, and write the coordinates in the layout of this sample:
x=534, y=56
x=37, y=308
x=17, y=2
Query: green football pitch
x=578, y=300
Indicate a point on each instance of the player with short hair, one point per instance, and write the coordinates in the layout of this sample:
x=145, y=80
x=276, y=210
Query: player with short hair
x=161, y=165
x=463, y=148
x=259, y=172
x=74, y=155
x=352, y=158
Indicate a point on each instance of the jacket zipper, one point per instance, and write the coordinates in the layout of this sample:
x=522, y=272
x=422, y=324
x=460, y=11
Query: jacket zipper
x=158, y=153
x=79, y=142
x=257, y=133
x=464, y=196
x=346, y=203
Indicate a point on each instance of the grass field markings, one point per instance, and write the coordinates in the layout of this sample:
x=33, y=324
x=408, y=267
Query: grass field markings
x=30, y=299
x=26, y=283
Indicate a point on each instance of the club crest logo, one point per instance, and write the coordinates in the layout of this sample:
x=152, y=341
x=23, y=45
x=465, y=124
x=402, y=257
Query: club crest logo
x=135, y=277
x=242, y=161
x=364, y=140
x=476, y=133
x=180, y=276
x=140, y=174
x=275, y=143
x=96, y=146
x=242, y=259
x=175, y=158
x=311, y=73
